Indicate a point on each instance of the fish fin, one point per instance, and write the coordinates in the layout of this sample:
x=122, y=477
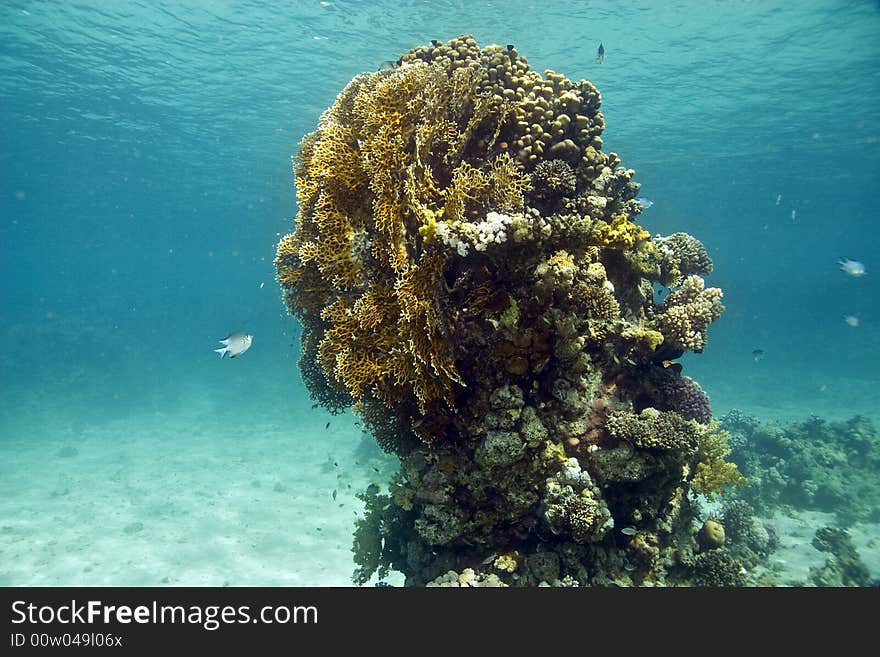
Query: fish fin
x=224, y=341
x=222, y=351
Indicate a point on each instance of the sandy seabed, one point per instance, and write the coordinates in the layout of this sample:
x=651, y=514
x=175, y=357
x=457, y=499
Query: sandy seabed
x=197, y=498
x=184, y=501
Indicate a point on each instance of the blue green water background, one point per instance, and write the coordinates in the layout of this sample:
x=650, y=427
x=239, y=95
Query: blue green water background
x=145, y=178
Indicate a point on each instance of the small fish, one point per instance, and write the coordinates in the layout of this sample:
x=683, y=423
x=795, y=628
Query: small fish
x=600, y=54
x=373, y=489
x=334, y=495
x=672, y=366
x=327, y=426
x=660, y=293
x=235, y=344
x=852, y=268
x=852, y=320
x=758, y=354
x=628, y=531
x=778, y=199
x=435, y=43
x=644, y=202
x=793, y=215
x=388, y=65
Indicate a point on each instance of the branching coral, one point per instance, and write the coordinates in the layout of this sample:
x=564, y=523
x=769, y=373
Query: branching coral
x=713, y=474
x=680, y=255
x=687, y=313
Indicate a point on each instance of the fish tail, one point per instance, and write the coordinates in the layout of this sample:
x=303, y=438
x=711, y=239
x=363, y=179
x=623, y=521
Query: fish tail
x=222, y=351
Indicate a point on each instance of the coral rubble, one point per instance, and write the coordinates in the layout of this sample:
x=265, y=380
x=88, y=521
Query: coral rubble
x=471, y=278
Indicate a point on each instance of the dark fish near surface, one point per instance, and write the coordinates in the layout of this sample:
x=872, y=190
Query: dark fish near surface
x=758, y=354
x=235, y=343
x=600, y=54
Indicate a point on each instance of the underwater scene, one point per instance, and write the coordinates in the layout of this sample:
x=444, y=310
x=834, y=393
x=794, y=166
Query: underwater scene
x=440, y=293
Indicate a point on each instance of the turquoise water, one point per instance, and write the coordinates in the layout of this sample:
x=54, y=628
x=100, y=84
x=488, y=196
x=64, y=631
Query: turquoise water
x=145, y=179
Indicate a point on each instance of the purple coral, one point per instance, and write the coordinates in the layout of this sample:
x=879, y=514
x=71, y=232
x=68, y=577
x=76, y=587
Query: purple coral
x=687, y=398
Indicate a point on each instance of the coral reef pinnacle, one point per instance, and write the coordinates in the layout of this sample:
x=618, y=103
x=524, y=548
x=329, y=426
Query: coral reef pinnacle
x=472, y=280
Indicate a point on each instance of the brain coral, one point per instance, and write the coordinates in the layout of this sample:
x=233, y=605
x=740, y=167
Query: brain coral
x=472, y=280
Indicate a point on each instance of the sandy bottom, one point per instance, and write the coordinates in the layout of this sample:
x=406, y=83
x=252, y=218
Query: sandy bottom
x=197, y=499
x=184, y=502
x=790, y=564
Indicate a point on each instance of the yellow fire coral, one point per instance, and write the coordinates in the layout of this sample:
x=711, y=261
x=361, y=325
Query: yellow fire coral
x=398, y=150
x=620, y=234
x=712, y=474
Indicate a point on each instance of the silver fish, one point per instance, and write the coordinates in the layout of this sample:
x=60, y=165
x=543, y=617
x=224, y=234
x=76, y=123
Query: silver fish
x=644, y=202
x=852, y=267
x=235, y=344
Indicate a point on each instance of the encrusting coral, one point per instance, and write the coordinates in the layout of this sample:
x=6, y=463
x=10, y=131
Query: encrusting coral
x=472, y=280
